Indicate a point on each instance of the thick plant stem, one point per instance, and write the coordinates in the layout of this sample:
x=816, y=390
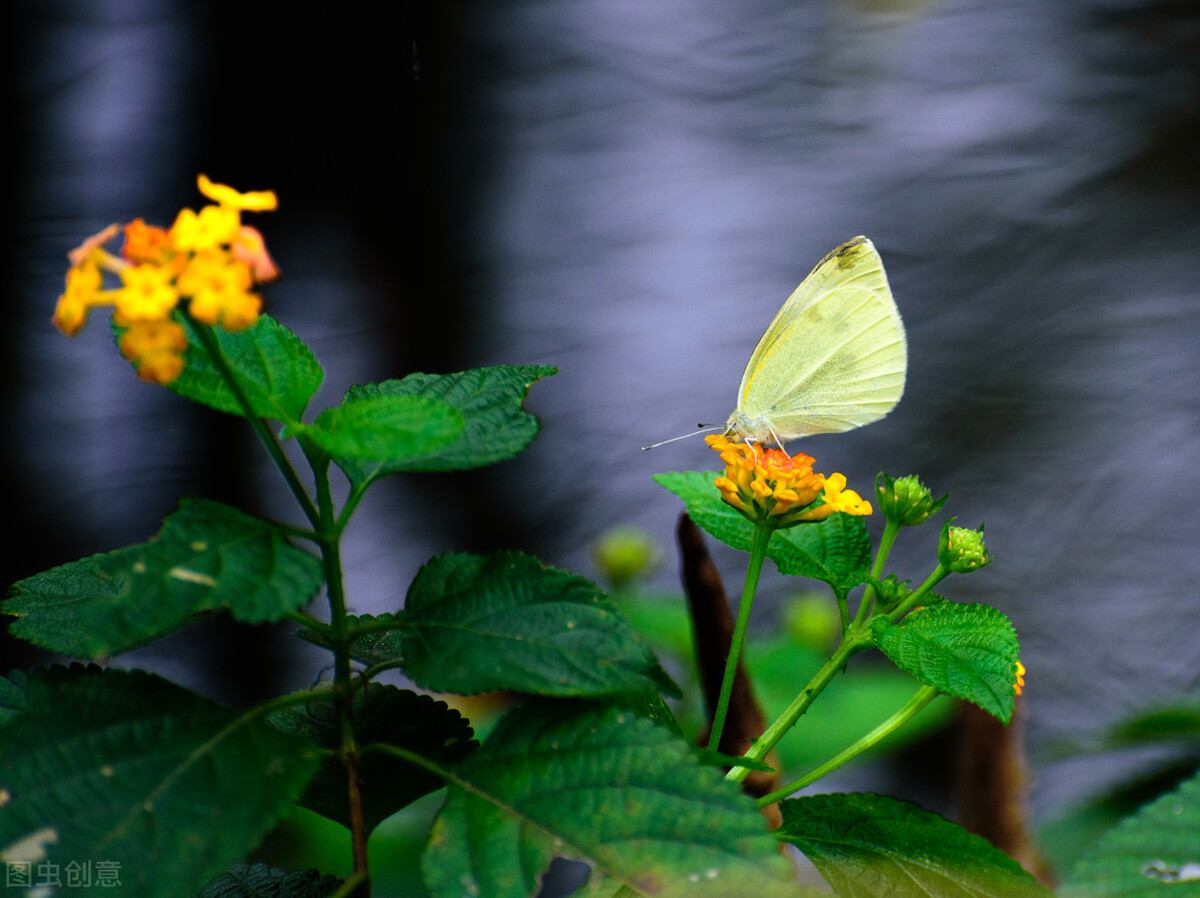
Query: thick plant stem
x=758, y=554
x=912, y=707
x=343, y=692
x=856, y=640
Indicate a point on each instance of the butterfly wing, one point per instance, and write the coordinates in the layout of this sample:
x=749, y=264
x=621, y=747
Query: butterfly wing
x=834, y=358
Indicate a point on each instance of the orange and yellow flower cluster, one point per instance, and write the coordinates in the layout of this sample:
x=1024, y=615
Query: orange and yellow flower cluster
x=1019, y=685
x=208, y=258
x=768, y=485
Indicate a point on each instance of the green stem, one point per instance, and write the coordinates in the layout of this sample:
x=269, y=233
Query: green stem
x=920, y=699
x=886, y=541
x=342, y=676
x=939, y=574
x=351, y=503
x=265, y=435
x=857, y=639
x=758, y=554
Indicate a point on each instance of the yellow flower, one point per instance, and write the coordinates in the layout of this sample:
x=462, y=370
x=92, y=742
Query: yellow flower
x=208, y=229
x=156, y=348
x=838, y=498
x=768, y=485
x=219, y=287
x=252, y=201
x=1019, y=685
x=207, y=257
x=147, y=293
x=81, y=293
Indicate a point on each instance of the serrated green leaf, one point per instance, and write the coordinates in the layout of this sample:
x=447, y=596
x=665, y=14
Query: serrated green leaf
x=835, y=551
x=277, y=371
x=496, y=426
x=207, y=557
x=387, y=715
x=618, y=791
x=869, y=846
x=967, y=651
x=261, y=881
x=384, y=429
x=1153, y=854
x=130, y=768
x=479, y=623
x=372, y=648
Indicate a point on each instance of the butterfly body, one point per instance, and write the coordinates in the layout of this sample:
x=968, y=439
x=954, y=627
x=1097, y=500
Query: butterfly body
x=834, y=357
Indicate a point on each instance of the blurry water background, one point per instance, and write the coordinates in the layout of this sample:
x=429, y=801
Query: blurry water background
x=629, y=191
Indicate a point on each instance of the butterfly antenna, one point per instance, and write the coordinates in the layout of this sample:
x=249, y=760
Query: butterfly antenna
x=684, y=437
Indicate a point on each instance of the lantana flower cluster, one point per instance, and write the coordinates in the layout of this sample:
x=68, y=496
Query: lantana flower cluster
x=770, y=486
x=208, y=259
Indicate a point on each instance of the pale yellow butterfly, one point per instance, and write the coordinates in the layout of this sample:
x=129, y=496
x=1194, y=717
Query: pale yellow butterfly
x=833, y=359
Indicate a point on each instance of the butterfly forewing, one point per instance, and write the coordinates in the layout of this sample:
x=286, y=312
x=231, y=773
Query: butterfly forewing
x=833, y=359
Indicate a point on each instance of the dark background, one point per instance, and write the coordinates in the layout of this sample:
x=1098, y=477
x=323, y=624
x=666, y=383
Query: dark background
x=629, y=191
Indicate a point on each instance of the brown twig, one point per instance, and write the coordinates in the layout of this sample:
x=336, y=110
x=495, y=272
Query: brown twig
x=993, y=785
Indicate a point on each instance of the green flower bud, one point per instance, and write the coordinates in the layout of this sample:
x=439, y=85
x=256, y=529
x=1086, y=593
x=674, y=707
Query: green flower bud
x=962, y=551
x=624, y=554
x=906, y=500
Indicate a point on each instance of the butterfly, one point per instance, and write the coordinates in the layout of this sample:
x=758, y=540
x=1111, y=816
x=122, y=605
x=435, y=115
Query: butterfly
x=834, y=358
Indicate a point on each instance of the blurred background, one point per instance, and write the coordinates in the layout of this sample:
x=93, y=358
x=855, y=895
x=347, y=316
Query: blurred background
x=629, y=191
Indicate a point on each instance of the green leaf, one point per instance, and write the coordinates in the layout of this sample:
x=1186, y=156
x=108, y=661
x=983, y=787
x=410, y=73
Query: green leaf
x=383, y=429
x=261, y=881
x=496, y=427
x=129, y=768
x=835, y=551
x=705, y=507
x=384, y=714
x=967, y=651
x=372, y=648
x=13, y=696
x=207, y=556
x=1156, y=852
x=277, y=371
x=1165, y=724
x=869, y=846
x=478, y=623
x=606, y=786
